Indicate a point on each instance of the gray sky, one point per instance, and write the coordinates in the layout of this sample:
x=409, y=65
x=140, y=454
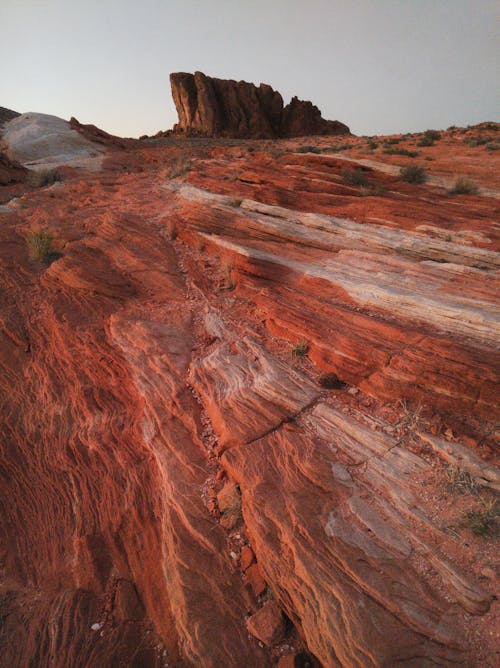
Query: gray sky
x=380, y=66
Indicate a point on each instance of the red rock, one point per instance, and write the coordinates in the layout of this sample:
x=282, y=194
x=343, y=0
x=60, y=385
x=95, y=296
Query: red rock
x=229, y=502
x=124, y=375
x=247, y=557
x=254, y=578
x=127, y=605
x=267, y=624
x=219, y=107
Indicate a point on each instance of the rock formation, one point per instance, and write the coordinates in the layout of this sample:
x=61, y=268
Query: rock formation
x=211, y=107
x=178, y=487
x=7, y=115
x=41, y=140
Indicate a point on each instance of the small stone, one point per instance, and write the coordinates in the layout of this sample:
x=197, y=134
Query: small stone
x=96, y=627
x=247, y=557
x=489, y=573
x=255, y=580
x=353, y=391
x=267, y=624
x=229, y=500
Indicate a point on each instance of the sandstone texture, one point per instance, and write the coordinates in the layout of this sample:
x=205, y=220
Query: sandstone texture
x=178, y=489
x=40, y=140
x=211, y=107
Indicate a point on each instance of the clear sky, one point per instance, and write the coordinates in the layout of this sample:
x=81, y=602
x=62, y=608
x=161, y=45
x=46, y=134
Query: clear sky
x=380, y=66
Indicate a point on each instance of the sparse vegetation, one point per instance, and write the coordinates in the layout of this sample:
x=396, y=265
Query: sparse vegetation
x=308, y=149
x=492, y=146
x=426, y=141
x=355, y=177
x=400, y=151
x=464, y=186
x=300, y=349
x=433, y=135
x=413, y=174
x=179, y=167
x=40, y=246
x=485, y=519
x=392, y=140
x=330, y=381
x=44, y=177
x=476, y=141
x=460, y=481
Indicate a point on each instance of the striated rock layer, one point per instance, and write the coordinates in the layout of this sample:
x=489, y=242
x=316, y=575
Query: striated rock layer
x=180, y=483
x=211, y=107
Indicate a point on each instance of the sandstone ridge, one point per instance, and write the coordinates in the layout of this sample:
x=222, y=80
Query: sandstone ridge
x=249, y=407
x=211, y=107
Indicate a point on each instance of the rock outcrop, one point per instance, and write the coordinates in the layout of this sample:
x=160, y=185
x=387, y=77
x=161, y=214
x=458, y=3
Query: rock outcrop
x=7, y=115
x=41, y=140
x=210, y=107
x=177, y=485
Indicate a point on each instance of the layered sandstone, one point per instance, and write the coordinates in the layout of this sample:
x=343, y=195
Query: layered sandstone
x=211, y=107
x=178, y=486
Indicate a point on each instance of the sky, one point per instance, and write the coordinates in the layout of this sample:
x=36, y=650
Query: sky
x=380, y=66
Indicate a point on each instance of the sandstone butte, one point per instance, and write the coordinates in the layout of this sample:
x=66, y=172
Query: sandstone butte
x=179, y=485
x=210, y=107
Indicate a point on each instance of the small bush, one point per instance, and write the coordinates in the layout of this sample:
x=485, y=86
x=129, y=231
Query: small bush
x=307, y=149
x=413, y=174
x=300, y=349
x=44, y=177
x=433, y=135
x=40, y=246
x=179, y=167
x=476, y=141
x=235, y=202
x=426, y=141
x=460, y=481
x=492, y=146
x=355, y=177
x=392, y=140
x=401, y=151
x=330, y=381
x=484, y=521
x=464, y=187
x=372, y=145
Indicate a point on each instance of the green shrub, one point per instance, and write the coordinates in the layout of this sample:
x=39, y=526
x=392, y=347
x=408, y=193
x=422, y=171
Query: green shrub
x=426, y=141
x=433, y=135
x=355, y=177
x=464, y=187
x=40, y=246
x=179, y=167
x=307, y=149
x=392, y=140
x=400, y=151
x=492, y=146
x=413, y=174
x=484, y=521
x=300, y=349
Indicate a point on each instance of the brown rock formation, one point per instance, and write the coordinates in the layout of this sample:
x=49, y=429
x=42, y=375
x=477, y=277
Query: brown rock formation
x=211, y=107
x=171, y=471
